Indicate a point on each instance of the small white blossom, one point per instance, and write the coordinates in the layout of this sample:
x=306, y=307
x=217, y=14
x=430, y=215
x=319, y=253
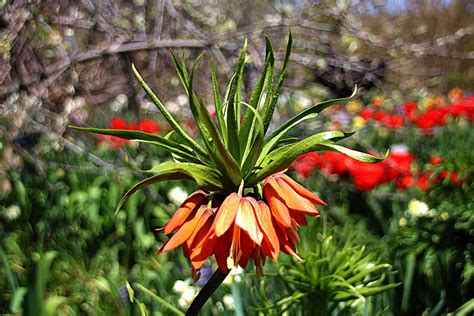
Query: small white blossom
x=187, y=297
x=235, y=275
x=219, y=307
x=417, y=208
x=180, y=286
x=228, y=301
x=12, y=212
x=182, y=100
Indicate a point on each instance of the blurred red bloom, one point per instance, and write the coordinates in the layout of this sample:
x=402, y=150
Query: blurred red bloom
x=366, y=113
x=436, y=160
x=398, y=164
x=118, y=123
x=149, y=126
x=306, y=163
x=409, y=109
x=405, y=182
x=431, y=118
x=380, y=116
x=115, y=142
x=394, y=121
x=423, y=181
x=366, y=176
x=145, y=125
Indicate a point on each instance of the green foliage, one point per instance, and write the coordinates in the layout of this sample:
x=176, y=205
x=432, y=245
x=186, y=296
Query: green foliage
x=337, y=276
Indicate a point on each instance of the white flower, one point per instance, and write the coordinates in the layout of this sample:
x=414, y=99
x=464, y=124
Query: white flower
x=417, y=208
x=180, y=286
x=182, y=100
x=187, y=297
x=183, y=304
x=228, y=301
x=12, y=212
x=177, y=195
x=219, y=307
x=235, y=275
x=403, y=222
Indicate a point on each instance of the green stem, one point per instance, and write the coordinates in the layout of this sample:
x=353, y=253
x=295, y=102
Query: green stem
x=206, y=292
x=159, y=299
x=239, y=311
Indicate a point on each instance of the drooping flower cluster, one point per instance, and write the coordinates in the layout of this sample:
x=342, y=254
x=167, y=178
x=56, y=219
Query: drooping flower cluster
x=240, y=228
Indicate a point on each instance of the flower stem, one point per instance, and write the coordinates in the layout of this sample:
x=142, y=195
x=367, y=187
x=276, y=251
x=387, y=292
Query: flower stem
x=241, y=188
x=206, y=292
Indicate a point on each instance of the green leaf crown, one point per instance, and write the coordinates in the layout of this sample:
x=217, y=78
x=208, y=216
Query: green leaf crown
x=234, y=152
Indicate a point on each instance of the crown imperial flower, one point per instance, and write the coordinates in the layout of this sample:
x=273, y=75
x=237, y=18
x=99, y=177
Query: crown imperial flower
x=246, y=208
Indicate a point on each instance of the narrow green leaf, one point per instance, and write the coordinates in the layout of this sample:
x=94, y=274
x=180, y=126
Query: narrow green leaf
x=9, y=275
x=232, y=100
x=271, y=141
x=281, y=158
x=195, y=109
x=205, y=177
x=160, y=300
x=252, y=153
x=218, y=104
x=17, y=299
x=368, y=291
x=143, y=137
x=249, y=117
x=185, y=81
x=357, y=155
x=182, y=155
x=174, y=124
x=309, y=113
x=267, y=112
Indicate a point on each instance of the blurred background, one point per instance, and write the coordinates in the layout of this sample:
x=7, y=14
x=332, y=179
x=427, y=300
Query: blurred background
x=406, y=225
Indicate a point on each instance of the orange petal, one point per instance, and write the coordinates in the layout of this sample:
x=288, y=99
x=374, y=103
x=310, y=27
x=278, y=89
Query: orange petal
x=264, y=219
x=204, y=249
x=204, y=241
x=295, y=201
x=222, y=249
x=246, y=249
x=301, y=190
x=277, y=207
x=226, y=214
x=203, y=228
x=194, y=200
x=184, y=232
x=299, y=218
x=286, y=244
x=246, y=220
